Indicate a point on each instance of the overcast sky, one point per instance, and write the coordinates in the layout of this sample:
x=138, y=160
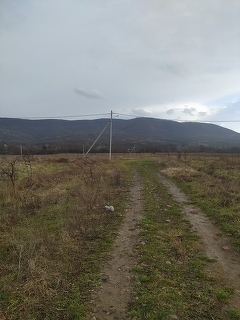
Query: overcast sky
x=168, y=59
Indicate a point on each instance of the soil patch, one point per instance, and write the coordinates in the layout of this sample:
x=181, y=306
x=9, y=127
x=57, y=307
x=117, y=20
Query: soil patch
x=112, y=299
x=217, y=247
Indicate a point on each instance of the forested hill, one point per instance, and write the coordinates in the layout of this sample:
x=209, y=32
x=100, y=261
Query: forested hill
x=133, y=131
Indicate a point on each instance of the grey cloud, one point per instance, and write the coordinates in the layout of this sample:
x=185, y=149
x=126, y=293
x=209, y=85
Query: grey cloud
x=93, y=94
x=141, y=113
x=189, y=111
x=231, y=112
x=202, y=114
x=174, y=70
x=170, y=111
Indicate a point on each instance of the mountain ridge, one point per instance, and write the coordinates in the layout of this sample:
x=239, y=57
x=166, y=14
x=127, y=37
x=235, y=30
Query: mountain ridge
x=140, y=130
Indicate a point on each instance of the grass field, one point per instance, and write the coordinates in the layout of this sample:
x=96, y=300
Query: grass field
x=55, y=234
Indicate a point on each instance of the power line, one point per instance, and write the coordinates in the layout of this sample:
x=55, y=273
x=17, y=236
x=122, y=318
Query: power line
x=205, y=121
x=208, y=121
x=64, y=117
x=128, y=115
x=179, y=120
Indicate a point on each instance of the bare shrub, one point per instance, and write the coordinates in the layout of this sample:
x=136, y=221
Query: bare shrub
x=185, y=174
x=9, y=170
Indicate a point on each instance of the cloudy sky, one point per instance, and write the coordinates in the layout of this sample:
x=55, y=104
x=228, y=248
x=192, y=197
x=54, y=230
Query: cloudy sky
x=168, y=59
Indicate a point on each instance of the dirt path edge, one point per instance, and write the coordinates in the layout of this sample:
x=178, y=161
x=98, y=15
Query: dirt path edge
x=226, y=260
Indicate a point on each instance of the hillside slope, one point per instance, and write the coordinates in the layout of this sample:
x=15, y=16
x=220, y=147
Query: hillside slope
x=144, y=130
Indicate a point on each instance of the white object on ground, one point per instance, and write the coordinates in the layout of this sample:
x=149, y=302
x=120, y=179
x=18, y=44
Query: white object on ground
x=109, y=208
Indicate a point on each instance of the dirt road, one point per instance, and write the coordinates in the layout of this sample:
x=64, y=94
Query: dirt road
x=110, y=301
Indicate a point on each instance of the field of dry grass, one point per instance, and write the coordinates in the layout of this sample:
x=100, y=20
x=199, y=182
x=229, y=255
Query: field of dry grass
x=54, y=231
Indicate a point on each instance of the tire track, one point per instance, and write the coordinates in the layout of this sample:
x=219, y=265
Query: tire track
x=111, y=300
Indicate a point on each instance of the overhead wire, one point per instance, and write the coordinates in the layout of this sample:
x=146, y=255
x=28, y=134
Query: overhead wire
x=179, y=120
x=116, y=114
x=64, y=117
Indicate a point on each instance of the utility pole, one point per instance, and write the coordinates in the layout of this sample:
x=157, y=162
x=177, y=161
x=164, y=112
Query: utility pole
x=96, y=140
x=110, y=142
x=110, y=149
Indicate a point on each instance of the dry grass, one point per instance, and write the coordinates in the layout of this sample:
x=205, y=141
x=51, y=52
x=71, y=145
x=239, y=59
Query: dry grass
x=55, y=232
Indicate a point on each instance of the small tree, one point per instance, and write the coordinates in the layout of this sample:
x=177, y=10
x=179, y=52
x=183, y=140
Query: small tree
x=8, y=171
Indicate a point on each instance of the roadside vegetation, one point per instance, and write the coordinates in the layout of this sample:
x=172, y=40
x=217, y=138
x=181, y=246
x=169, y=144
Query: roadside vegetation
x=212, y=181
x=174, y=279
x=55, y=234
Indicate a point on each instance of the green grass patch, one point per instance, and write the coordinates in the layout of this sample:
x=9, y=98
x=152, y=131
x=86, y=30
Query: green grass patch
x=234, y=314
x=224, y=294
